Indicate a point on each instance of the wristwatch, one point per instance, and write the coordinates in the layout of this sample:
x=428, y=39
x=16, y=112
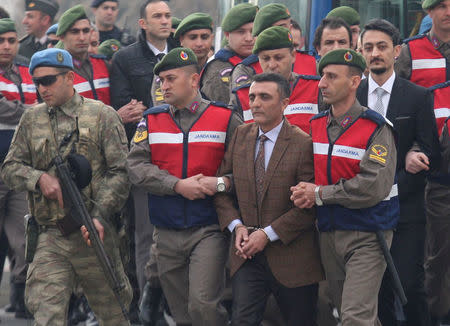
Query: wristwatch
x=319, y=201
x=221, y=187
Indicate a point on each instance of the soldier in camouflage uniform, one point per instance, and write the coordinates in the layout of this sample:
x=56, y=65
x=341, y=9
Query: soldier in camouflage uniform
x=97, y=133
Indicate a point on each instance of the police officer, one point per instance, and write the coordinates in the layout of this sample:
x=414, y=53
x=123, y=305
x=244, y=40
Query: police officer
x=17, y=93
x=174, y=146
x=38, y=18
x=355, y=194
x=352, y=18
x=68, y=122
x=275, y=50
x=91, y=71
x=425, y=59
x=237, y=26
x=273, y=14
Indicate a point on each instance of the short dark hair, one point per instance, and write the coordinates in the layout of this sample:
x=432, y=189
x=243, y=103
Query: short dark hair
x=282, y=84
x=3, y=13
x=384, y=26
x=142, y=10
x=296, y=26
x=331, y=23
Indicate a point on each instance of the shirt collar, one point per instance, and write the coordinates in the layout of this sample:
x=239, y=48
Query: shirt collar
x=273, y=133
x=387, y=86
x=437, y=43
x=192, y=107
x=71, y=105
x=41, y=40
x=155, y=50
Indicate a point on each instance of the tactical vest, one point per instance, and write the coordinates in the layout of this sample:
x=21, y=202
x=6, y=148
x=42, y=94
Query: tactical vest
x=200, y=150
x=303, y=102
x=441, y=94
x=305, y=64
x=428, y=66
x=98, y=87
x=341, y=160
x=26, y=93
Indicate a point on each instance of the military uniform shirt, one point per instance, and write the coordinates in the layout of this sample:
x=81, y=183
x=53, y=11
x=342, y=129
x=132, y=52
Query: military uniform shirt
x=29, y=46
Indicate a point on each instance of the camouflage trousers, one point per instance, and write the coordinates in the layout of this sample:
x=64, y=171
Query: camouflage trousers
x=60, y=264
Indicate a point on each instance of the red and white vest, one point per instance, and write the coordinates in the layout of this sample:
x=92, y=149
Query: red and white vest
x=428, y=66
x=26, y=93
x=441, y=94
x=201, y=150
x=303, y=102
x=305, y=64
x=98, y=87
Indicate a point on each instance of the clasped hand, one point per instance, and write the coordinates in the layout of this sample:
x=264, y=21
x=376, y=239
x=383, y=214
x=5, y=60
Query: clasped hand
x=196, y=187
x=303, y=195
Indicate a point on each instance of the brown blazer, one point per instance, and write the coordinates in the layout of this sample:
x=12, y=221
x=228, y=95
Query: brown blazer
x=294, y=259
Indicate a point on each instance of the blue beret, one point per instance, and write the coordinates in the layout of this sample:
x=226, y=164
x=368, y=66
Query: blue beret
x=97, y=3
x=51, y=58
x=425, y=25
x=52, y=29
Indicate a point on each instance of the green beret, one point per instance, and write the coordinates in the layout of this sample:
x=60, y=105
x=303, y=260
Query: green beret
x=348, y=14
x=175, y=22
x=239, y=15
x=275, y=37
x=69, y=17
x=59, y=45
x=197, y=20
x=109, y=47
x=342, y=57
x=7, y=25
x=269, y=15
x=429, y=4
x=48, y=7
x=176, y=58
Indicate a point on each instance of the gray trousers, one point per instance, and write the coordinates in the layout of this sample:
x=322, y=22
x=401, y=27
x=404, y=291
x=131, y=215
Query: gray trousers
x=354, y=266
x=13, y=207
x=191, y=266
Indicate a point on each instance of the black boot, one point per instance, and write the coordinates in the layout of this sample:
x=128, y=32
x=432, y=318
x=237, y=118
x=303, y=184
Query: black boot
x=21, y=310
x=150, y=305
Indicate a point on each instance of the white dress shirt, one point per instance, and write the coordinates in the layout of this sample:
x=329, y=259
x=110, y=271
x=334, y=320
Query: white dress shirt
x=157, y=51
x=269, y=144
x=372, y=95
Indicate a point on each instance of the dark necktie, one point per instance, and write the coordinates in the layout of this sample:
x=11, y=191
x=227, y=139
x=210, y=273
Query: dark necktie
x=260, y=170
x=160, y=56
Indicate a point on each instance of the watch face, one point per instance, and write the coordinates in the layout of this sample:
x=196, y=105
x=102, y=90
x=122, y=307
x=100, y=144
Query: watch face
x=221, y=187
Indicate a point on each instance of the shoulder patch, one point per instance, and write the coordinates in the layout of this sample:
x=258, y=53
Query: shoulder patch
x=378, y=154
x=252, y=58
x=157, y=109
x=416, y=37
x=242, y=78
x=225, y=71
x=140, y=135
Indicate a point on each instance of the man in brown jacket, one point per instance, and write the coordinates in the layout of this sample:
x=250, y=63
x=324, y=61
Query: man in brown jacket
x=275, y=247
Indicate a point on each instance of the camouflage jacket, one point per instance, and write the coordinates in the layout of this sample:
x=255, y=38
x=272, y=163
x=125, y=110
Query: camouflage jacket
x=101, y=139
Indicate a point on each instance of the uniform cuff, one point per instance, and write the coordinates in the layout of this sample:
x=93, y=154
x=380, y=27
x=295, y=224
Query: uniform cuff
x=171, y=181
x=327, y=194
x=33, y=179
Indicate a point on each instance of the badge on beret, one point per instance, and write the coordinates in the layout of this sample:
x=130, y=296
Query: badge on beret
x=348, y=56
x=114, y=47
x=378, y=153
x=288, y=12
x=184, y=56
x=31, y=5
x=59, y=57
x=290, y=37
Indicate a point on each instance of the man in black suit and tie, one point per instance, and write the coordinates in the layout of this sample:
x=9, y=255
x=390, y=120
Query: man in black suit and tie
x=409, y=107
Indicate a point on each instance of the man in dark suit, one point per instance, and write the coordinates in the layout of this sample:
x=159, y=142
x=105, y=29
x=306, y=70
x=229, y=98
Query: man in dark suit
x=275, y=247
x=409, y=107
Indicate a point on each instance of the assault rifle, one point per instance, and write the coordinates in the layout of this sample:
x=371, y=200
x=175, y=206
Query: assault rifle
x=80, y=215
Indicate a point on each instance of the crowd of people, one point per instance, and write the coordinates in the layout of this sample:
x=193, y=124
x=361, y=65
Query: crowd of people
x=255, y=184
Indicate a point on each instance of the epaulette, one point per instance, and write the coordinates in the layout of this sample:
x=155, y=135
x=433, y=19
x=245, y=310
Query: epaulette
x=223, y=55
x=320, y=115
x=441, y=85
x=375, y=117
x=98, y=56
x=221, y=104
x=234, y=90
x=24, y=38
x=310, y=77
x=415, y=37
x=252, y=58
x=157, y=109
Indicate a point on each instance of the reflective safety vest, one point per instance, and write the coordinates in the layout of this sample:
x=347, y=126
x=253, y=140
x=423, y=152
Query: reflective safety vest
x=341, y=160
x=200, y=150
x=441, y=94
x=98, y=87
x=305, y=64
x=303, y=102
x=25, y=93
x=428, y=66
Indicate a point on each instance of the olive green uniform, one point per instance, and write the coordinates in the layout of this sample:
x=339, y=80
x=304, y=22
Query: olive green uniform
x=61, y=262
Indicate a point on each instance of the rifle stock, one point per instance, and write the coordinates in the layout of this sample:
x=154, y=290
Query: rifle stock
x=80, y=213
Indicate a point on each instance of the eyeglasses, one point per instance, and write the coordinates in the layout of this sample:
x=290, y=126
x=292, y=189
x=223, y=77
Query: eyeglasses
x=46, y=80
x=52, y=42
x=10, y=40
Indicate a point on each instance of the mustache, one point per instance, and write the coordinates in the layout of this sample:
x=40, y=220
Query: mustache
x=376, y=60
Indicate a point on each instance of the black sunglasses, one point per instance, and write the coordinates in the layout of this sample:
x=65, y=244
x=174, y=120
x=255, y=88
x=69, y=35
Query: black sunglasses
x=46, y=80
x=52, y=42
